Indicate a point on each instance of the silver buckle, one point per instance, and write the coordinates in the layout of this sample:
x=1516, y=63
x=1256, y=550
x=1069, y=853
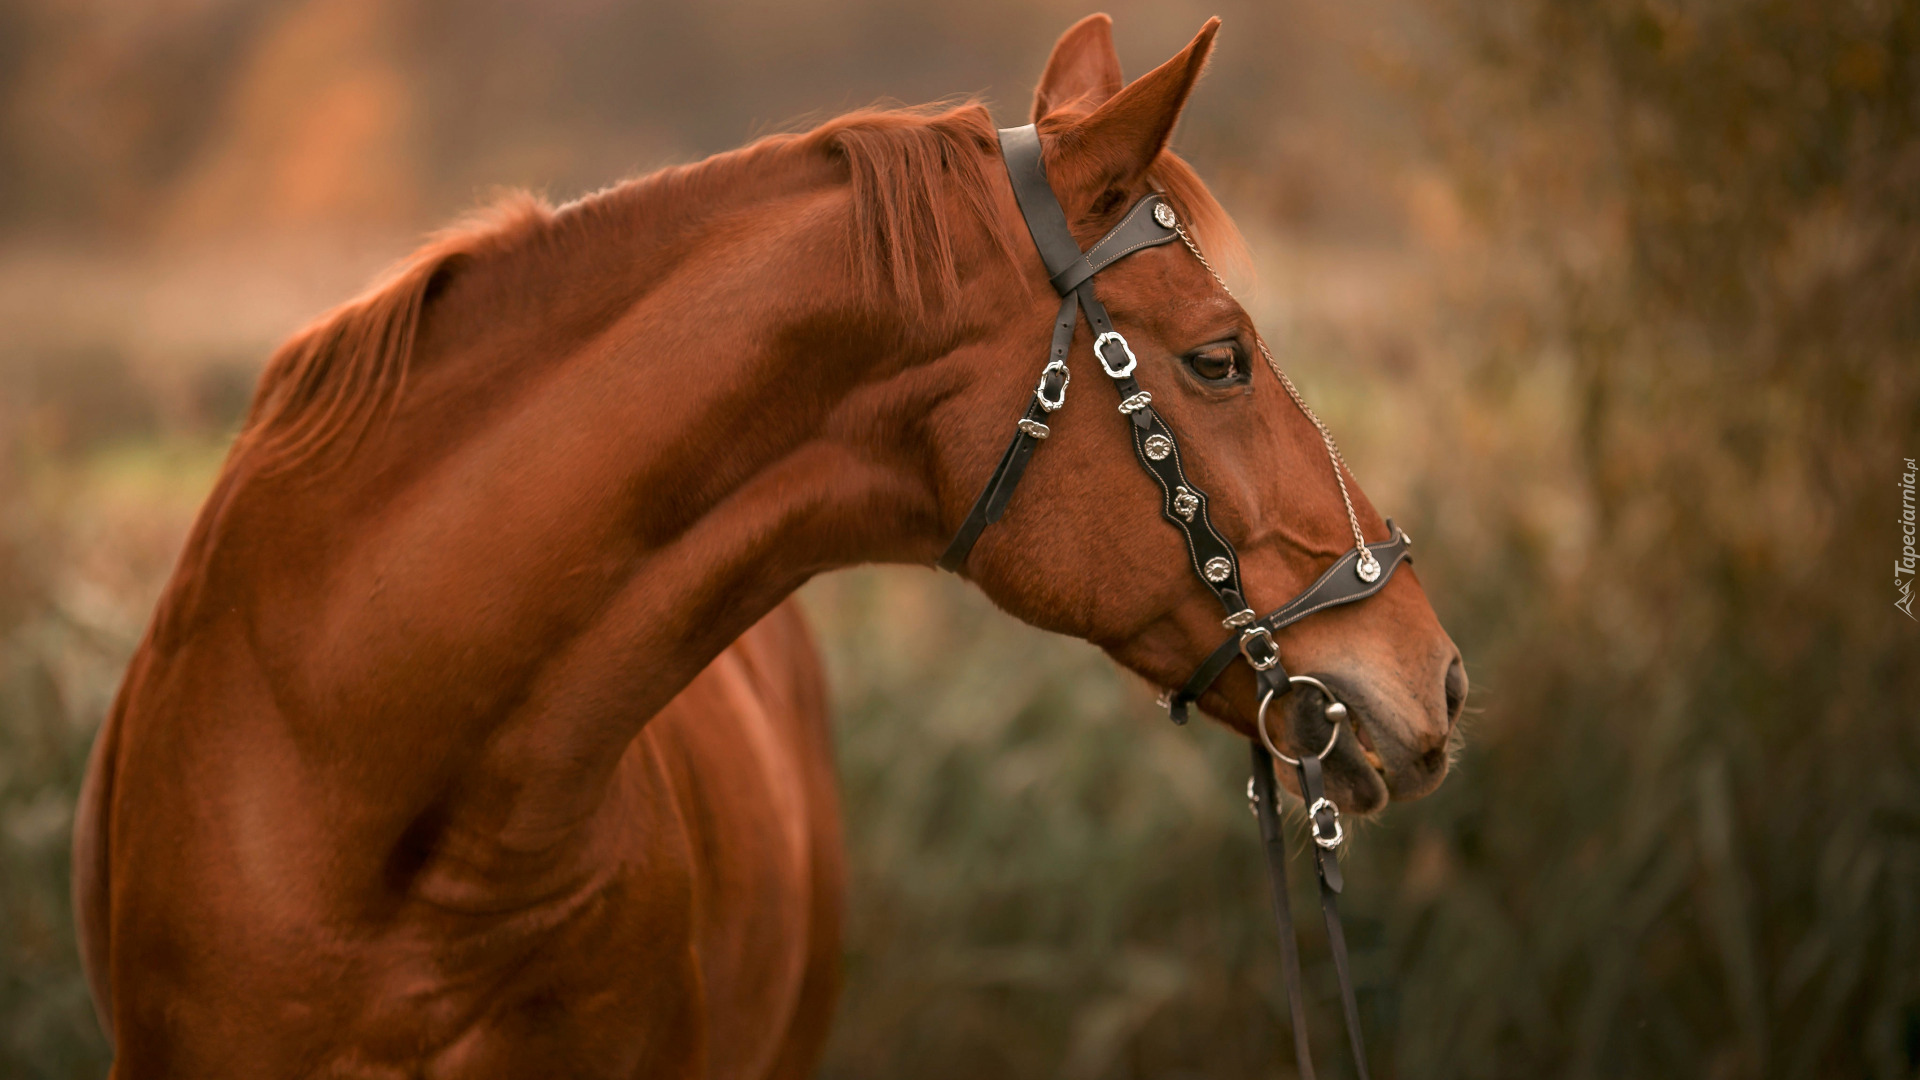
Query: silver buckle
x=1273, y=652
x=1110, y=337
x=1313, y=824
x=1040, y=391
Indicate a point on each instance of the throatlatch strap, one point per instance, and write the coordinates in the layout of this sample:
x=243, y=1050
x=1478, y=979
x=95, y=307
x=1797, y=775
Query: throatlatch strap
x=1027, y=435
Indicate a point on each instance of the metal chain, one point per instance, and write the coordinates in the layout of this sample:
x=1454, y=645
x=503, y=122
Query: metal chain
x=1369, y=567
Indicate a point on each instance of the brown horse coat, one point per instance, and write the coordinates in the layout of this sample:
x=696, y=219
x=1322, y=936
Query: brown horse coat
x=473, y=735
x=709, y=926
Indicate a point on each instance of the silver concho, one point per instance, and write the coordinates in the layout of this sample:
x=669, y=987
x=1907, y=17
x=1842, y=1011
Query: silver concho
x=1217, y=569
x=1369, y=567
x=1163, y=213
x=1034, y=428
x=1185, y=502
x=1157, y=447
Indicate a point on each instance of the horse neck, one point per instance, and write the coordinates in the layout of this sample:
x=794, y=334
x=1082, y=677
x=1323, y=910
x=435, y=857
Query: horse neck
x=621, y=443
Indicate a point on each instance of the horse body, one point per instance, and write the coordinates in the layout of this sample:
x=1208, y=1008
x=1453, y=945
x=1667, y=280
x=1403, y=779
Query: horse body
x=473, y=735
x=430, y=766
x=689, y=928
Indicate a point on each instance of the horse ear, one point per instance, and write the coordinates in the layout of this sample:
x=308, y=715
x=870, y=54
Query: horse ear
x=1123, y=137
x=1083, y=71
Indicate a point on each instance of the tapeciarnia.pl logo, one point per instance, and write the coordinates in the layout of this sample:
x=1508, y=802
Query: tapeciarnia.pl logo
x=1904, y=565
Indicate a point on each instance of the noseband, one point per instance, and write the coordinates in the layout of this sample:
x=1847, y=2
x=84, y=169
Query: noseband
x=1363, y=571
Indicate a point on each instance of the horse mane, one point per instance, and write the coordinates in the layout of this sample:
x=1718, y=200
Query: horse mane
x=330, y=380
x=900, y=163
x=914, y=173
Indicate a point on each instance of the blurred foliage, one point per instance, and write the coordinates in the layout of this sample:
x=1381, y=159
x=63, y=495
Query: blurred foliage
x=1613, y=305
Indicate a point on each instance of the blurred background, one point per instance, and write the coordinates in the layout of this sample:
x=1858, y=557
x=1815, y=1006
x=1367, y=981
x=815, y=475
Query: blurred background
x=1616, y=306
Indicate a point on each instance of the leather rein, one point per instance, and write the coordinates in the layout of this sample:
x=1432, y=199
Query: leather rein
x=1363, y=571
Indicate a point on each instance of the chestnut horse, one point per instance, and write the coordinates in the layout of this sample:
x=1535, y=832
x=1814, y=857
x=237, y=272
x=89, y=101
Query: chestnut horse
x=475, y=734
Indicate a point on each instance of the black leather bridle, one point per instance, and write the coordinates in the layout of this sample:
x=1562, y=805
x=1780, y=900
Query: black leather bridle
x=1361, y=572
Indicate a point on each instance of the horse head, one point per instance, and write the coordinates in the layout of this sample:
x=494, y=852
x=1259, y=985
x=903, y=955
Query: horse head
x=1079, y=550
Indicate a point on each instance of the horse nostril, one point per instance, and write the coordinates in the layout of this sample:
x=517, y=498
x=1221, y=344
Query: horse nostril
x=1456, y=683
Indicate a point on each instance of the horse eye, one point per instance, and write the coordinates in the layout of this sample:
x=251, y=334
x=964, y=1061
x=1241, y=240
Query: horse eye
x=1215, y=363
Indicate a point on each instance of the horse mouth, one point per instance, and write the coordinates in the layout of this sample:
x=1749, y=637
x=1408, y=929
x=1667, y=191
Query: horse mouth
x=1367, y=778
x=1367, y=751
x=1371, y=787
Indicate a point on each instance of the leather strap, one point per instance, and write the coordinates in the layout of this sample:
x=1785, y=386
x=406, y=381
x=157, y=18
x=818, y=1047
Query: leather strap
x=1072, y=271
x=1046, y=221
x=1139, y=230
x=1266, y=807
x=1205, y=546
x=992, y=500
x=1339, y=584
x=1184, y=505
x=1327, y=860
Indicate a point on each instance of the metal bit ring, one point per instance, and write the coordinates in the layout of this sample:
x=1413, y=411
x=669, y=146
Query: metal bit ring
x=1267, y=739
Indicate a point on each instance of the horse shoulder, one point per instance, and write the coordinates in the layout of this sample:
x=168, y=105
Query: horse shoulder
x=747, y=750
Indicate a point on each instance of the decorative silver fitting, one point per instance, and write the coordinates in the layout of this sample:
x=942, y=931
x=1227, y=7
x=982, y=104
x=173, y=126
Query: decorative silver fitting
x=1243, y=617
x=1269, y=658
x=1163, y=213
x=1185, y=503
x=1112, y=337
x=1217, y=570
x=1034, y=428
x=1136, y=402
x=1157, y=447
x=1313, y=823
x=1040, y=391
x=1369, y=567
x=1253, y=798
